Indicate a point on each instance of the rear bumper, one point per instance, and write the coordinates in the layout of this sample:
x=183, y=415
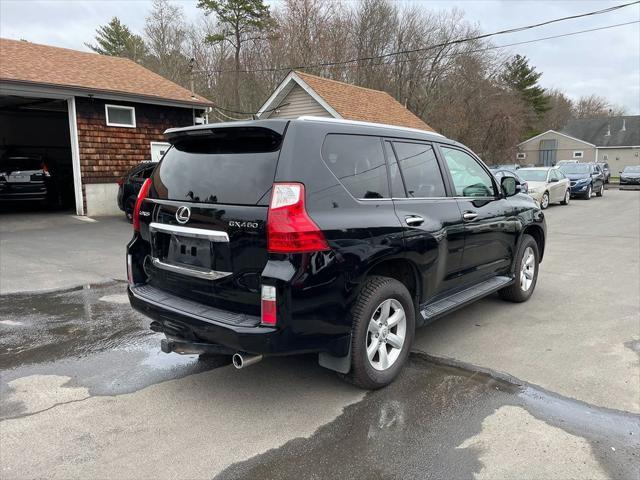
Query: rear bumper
x=235, y=332
x=24, y=191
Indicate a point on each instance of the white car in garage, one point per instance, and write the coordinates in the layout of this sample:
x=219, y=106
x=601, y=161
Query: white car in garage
x=546, y=185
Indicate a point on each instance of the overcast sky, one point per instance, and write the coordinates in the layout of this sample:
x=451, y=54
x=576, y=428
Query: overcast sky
x=605, y=62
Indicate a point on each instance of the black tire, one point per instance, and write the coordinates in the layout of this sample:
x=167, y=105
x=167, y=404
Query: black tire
x=514, y=292
x=587, y=195
x=601, y=191
x=567, y=197
x=129, y=206
x=544, y=205
x=375, y=291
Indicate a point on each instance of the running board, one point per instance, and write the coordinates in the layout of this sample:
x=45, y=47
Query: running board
x=430, y=311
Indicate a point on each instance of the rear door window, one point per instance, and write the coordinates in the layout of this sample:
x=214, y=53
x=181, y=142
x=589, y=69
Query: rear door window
x=358, y=163
x=420, y=170
x=228, y=166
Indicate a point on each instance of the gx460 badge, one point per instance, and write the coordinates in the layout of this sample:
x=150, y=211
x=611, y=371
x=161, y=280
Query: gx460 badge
x=233, y=223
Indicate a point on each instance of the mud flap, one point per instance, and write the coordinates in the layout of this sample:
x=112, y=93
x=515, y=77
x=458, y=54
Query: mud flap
x=337, y=364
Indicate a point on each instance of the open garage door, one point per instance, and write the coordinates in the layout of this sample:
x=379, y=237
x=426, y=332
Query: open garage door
x=36, y=169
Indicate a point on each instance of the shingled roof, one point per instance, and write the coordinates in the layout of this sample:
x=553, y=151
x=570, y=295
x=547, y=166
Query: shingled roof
x=34, y=64
x=352, y=102
x=623, y=131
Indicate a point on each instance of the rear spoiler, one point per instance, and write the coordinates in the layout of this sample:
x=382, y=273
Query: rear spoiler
x=221, y=129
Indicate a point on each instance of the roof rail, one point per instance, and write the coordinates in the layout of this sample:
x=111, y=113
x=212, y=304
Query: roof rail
x=365, y=124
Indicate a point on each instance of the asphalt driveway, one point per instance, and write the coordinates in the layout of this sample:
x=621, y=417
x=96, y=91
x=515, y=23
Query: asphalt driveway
x=85, y=393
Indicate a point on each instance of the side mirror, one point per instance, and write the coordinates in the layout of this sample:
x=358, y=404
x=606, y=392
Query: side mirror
x=509, y=186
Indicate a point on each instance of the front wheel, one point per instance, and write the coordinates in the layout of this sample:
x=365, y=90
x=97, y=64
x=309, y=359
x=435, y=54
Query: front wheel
x=526, y=272
x=601, y=191
x=587, y=195
x=544, y=202
x=567, y=197
x=382, y=332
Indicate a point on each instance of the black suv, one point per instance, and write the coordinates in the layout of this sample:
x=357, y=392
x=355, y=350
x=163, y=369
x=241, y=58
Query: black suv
x=276, y=237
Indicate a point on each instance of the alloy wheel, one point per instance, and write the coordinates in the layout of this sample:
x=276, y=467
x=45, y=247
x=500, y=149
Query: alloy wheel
x=567, y=197
x=386, y=334
x=545, y=200
x=527, y=269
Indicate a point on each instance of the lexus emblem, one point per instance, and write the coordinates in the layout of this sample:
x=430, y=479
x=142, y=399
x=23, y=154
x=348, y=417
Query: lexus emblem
x=183, y=214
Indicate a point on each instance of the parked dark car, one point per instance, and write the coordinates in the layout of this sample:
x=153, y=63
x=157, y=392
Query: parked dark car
x=277, y=237
x=630, y=175
x=130, y=184
x=26, y=178
x=499, y=173
x=605, y=170
x=586, y=178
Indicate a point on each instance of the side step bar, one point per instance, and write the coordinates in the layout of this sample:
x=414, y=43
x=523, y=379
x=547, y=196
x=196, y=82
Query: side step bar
x=430, y=311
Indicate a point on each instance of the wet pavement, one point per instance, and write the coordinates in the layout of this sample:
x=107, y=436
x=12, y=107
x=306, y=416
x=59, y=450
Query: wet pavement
x=86, y=393
x=89, y=334
x=415, y=427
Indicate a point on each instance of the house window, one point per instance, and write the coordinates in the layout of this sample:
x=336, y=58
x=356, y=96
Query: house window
x=120, y=116
x=521, y=155
x=578, y=154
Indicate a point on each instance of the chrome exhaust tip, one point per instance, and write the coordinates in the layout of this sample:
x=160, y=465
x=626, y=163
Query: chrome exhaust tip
x=241, y=360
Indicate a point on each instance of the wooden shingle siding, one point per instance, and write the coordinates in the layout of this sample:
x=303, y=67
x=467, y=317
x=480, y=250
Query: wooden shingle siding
x=297, y=103
x=107, y=153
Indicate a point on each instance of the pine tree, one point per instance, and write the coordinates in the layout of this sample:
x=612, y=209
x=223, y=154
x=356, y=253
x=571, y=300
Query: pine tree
x=241, y=21
x=117, y=40
x=523, y=78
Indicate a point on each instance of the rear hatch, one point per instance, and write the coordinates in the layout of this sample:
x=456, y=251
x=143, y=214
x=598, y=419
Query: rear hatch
x=208, y=227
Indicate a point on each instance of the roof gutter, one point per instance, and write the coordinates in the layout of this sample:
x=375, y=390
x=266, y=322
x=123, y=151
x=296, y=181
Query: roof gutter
x=14, y=87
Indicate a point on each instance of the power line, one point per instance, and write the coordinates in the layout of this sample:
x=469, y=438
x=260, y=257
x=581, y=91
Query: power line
x=431, y=47
x=495, y=47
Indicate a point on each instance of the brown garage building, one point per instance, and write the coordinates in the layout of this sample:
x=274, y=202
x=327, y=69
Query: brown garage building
x=92, y=117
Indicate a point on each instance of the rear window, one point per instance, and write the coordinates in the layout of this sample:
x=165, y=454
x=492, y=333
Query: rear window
x=230, y=166
x=20, y=163
x=358, y=162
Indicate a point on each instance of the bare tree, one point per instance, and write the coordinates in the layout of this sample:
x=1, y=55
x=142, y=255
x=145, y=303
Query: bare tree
x=165, y=36
x=594, y=106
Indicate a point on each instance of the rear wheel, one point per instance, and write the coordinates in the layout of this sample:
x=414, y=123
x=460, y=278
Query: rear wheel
x=526, y=272
x=382, y=332
x=567, y=197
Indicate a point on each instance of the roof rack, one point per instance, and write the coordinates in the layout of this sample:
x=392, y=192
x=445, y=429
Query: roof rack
x=366, y=124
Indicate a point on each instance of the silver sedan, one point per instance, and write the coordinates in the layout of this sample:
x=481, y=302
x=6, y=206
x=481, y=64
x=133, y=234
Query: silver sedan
x=546, y=185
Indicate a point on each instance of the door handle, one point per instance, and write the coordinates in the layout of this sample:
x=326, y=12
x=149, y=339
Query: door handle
x=414, y=220
x=469, y=216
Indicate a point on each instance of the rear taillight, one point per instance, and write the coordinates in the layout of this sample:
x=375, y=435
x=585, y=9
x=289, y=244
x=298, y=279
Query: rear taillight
x=268, y=305
x=289, y=228
x=142, y=194
x=45, y=170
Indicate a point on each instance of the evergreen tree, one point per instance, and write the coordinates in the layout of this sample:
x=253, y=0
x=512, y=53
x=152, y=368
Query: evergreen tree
x=523, y=78
x=117, y=40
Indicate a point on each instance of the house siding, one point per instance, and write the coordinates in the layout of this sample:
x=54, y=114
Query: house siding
x=107, y=153
x=297, y=103
x=564, y=151
x=618, y=158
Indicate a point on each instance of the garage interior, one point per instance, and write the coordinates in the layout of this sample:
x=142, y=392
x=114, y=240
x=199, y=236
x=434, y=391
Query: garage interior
x=39, y=127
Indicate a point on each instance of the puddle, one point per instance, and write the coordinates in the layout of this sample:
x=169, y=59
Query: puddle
x=88, y=335
x=438, y=421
